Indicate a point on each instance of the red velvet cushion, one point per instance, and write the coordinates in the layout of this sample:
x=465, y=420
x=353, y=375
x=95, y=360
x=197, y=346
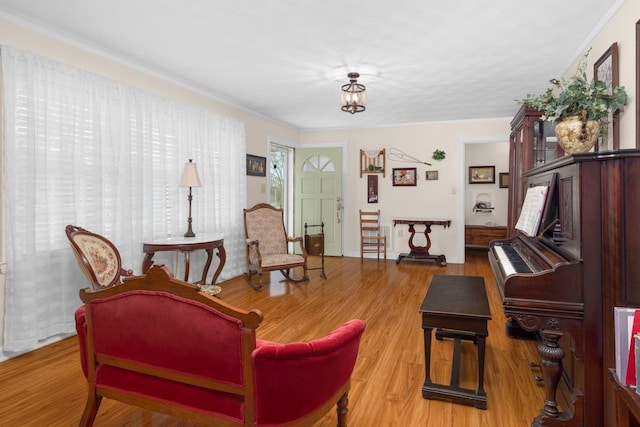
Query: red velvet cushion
x=292, y=380
x=194, y=398
x=151, y=328
x=175, y=334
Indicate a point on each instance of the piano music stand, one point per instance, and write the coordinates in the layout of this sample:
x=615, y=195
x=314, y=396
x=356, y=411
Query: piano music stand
x=315, y=245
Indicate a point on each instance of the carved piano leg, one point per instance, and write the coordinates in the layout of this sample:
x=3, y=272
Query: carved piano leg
x=551, y=355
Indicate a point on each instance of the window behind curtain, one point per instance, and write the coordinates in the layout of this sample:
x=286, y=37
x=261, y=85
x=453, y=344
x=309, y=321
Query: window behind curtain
x=84, y=150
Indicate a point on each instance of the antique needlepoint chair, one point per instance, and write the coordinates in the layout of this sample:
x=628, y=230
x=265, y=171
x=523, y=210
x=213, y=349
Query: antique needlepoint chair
x=97, y=257
x=268, y=245
x=371, y=239
x=161, y=344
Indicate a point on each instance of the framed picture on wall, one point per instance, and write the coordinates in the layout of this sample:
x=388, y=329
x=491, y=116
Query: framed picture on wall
x=431, y=175
x=605, y=69
x=404, y=177
x=503, y=179
x=256, y=165
x=482, y=174
x=372, y=188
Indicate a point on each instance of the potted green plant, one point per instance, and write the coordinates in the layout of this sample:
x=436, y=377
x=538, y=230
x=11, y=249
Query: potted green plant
x=579, y=106
x=438, y=155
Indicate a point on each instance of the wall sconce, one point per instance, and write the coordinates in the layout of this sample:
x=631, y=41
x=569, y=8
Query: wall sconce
x=190, y=179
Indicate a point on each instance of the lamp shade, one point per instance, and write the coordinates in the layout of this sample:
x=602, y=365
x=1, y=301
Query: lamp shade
x=190, y=176
x=353, y=95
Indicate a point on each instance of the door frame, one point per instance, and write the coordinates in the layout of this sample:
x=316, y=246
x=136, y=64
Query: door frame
x=462, y=185
x=290, y=213
x=345, y=187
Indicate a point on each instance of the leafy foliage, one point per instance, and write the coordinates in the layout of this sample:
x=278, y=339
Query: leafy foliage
x=577, y=96
x=438, y=155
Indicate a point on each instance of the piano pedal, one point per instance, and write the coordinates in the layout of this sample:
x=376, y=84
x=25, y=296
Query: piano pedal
x=537, y=378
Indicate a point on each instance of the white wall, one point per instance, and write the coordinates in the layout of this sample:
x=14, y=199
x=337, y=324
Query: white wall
x=621, y=28
x=428, y=199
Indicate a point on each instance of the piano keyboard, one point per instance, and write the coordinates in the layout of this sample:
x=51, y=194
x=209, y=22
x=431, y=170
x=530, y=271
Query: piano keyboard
x=510, y=260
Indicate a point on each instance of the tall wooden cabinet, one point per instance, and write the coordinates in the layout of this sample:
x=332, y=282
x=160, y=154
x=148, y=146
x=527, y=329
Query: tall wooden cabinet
x=604, y=196
x=532, y=143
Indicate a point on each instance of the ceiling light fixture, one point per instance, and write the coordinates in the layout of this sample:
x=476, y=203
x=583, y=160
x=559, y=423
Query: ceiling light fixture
x=353, y=95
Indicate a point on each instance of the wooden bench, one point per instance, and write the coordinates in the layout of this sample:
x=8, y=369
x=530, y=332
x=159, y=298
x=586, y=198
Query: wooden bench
x=457, y=306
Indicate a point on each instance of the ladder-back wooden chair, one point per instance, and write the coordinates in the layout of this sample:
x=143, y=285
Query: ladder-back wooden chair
x=97, y=257
x=267, y=244
x=371, y=238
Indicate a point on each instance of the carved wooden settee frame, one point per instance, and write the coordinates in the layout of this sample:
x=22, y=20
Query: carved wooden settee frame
x=159, y=343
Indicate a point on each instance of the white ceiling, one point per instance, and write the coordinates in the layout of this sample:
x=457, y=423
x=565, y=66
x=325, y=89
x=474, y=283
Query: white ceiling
x=421, y=60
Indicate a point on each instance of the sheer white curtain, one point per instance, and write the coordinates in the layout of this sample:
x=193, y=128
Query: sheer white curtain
x=82, y=149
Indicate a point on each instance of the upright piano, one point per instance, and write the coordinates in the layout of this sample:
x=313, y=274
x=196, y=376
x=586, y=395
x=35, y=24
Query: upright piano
x=562, y=281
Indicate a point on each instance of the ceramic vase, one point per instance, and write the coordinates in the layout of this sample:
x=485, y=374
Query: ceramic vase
x=575, y=135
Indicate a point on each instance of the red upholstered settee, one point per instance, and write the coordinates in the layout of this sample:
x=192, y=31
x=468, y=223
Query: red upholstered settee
x=158, y=343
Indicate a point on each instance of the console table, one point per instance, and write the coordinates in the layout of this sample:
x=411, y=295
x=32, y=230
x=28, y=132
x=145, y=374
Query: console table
x=421, y=253
x=186, y=245
x=457, y=306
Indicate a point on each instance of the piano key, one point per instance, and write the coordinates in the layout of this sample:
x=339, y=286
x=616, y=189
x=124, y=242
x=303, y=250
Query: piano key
x=511, y=261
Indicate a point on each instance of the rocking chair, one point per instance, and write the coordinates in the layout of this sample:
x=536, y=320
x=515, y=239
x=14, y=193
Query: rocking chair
x=267, y=245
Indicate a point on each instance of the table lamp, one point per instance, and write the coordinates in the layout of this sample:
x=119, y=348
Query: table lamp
x=190, y=179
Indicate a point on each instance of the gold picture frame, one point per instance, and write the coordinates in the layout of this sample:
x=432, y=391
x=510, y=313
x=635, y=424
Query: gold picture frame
x=482, y=174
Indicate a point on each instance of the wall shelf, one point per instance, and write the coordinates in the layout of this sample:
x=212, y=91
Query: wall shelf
x=372, y=161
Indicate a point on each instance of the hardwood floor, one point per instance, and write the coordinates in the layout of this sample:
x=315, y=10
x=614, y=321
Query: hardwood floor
x=46, y=387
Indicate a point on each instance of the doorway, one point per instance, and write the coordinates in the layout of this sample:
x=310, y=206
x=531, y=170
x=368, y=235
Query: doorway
x=318, y=195
x=494, y=151
x=281, y=193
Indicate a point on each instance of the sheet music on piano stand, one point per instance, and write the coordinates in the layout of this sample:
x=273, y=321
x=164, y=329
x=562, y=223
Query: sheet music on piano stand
x=532, y=208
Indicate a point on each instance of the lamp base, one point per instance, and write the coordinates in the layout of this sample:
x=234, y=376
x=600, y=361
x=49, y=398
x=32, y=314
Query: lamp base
x=189, y=232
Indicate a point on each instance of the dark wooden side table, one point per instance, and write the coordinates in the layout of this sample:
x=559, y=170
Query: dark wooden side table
x=187, y=245
x=457, y=306
x=421, y=253
x=314, y=243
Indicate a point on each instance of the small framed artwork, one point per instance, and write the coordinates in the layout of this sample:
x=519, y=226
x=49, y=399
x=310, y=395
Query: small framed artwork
x=431, y=175
x=503, y=179
x=372, y=188
x=605, y=69
x=256, y=165
x=404, y=177
x=482, y=174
